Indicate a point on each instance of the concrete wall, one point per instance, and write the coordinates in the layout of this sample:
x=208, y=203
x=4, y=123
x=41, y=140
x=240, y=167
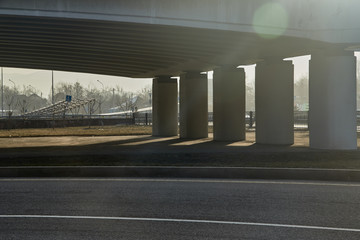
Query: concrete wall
x=229, y=104
x=332, y=101
x=165, y=106
x=274, y=102
x=193, y=105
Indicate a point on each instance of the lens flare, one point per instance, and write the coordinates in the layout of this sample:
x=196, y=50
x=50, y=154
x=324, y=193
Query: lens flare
x=270, y=20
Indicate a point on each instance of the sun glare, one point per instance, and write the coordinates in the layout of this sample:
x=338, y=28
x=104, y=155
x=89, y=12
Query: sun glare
x=270, y=20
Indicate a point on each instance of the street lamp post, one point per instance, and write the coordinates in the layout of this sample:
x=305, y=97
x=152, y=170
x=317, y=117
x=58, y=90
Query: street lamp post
x=52, y=87
x=100, y=96
x=113, y=98
x=12, y=98
x=101, y=83
x=34, y=92
x=13, y=83
x=2, y=92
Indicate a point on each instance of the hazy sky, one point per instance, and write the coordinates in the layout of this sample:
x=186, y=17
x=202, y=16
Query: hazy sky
x=41, y=79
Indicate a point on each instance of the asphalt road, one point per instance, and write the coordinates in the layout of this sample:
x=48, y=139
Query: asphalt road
x=177, y=209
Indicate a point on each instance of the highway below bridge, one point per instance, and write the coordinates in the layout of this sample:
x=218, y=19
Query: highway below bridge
x=177, y=209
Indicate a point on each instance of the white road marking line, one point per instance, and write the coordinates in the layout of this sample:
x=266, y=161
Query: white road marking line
x=183, y=221
x=179, y=180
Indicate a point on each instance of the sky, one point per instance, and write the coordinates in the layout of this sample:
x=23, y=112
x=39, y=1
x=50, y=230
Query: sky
x=41, y=79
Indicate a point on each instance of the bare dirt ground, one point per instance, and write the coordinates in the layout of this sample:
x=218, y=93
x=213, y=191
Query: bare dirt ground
x=138, y=148
x=301, y=140
x=77, y=131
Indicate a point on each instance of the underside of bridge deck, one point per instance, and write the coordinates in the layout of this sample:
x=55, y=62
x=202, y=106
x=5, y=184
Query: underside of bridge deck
x=133, y=50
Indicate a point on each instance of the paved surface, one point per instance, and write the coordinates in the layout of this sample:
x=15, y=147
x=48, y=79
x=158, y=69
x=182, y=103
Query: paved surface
x=310, y=174
x=171, y=209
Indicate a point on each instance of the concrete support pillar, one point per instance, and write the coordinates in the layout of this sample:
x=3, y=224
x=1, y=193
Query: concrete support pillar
x=274, y=102
x=229, y=104
x=193, y=105
x=332, y=101
x=165, y=106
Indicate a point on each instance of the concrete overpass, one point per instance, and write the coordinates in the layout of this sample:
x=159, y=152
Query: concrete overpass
x=165, y=38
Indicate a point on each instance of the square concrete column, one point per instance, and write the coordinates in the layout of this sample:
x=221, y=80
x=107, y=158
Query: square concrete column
x=193, y=105
x=229, y=104
x=165, y=106
x=274, y=102
x=332, y=101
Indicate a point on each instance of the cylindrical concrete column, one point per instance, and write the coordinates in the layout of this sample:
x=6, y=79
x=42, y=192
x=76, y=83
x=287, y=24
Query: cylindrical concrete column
x=165, y=106
x=332, y=101
x=193, y=105
x=229, y=104
x=274, y=102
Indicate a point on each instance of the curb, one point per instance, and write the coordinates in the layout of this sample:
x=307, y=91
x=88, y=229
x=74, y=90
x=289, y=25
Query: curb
x=184, y=172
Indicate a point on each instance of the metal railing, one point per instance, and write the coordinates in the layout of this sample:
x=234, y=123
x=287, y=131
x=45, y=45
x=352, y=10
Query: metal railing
x=300, y=120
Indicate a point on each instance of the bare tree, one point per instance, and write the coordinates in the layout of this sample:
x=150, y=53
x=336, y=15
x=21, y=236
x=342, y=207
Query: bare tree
x=61, y=90
x=78, y=91
x=250, y=96
x=93, y=94
x=301, y=92
x=126, y=101
x=144, y=97
x=91, y=108
x=10, y=95
x=23, y=104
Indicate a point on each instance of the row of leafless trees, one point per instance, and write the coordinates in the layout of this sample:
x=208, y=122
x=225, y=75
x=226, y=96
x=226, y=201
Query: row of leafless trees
x=19, y=101
x=107, y=99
